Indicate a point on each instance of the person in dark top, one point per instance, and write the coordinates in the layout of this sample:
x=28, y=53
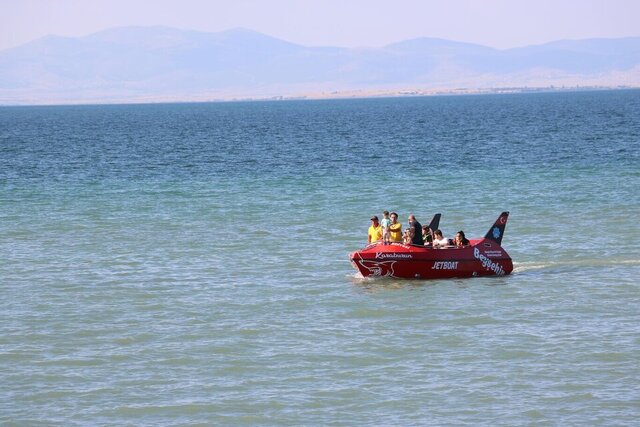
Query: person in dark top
x=460, y=240
x=415, y=231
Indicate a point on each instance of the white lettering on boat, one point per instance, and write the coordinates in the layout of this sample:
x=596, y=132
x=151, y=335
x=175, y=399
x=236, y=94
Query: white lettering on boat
x=493, y=254
x=487, y=263
x=382, y=255
x=445, y=265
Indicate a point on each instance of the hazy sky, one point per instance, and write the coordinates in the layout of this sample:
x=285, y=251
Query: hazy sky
x=346, y=23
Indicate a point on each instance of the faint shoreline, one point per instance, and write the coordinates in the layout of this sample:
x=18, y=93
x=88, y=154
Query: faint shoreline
x=324, y=95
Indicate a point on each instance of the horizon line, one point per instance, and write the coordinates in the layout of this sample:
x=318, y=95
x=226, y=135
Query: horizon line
x=349, y=95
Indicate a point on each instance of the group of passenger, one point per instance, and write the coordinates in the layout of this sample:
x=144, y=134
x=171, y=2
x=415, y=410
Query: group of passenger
x=389, y=230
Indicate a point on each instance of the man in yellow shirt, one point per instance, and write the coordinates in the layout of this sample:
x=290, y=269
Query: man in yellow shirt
x=375, y=231
x=395, y=229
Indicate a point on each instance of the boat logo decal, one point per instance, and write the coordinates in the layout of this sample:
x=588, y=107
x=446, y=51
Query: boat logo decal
x=496, y=232
x=445, y=265
x=487, y=263
x=378, y=268
x=382, y=255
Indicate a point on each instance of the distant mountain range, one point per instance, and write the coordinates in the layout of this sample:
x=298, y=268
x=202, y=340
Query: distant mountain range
x=138, y=64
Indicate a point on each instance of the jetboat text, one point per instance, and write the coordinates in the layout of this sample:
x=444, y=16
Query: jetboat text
x=445, y=265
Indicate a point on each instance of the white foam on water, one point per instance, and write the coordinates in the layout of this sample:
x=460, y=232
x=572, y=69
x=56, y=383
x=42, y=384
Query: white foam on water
x=522, y=267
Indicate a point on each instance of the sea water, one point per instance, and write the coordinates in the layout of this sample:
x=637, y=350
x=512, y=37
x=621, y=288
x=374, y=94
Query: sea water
x=188, y=264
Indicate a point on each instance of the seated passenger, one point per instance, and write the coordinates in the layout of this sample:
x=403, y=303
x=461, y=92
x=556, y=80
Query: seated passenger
x=406, y=239
x=426, y=235
x=438, y=240
x=460, y=240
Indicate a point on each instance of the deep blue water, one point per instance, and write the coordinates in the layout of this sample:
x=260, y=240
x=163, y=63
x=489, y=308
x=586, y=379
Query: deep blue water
x=187, y=263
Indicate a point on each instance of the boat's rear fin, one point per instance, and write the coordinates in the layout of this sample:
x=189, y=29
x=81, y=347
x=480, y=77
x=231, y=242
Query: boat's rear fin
x=435, y=222
x=496, y=231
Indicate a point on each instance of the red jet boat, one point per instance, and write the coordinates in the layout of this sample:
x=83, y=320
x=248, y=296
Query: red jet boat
x=483, y=257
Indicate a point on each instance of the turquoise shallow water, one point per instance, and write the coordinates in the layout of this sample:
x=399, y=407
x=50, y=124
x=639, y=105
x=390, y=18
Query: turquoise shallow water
x=186, y=264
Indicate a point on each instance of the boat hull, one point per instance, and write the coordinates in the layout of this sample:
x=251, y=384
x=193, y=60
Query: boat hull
x=484, y=257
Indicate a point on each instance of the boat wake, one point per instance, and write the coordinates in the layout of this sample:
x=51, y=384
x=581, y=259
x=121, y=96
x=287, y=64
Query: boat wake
x=526, y=267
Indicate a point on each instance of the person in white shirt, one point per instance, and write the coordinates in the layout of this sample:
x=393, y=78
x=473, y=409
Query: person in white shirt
x=386, y=227
x=438, y=240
